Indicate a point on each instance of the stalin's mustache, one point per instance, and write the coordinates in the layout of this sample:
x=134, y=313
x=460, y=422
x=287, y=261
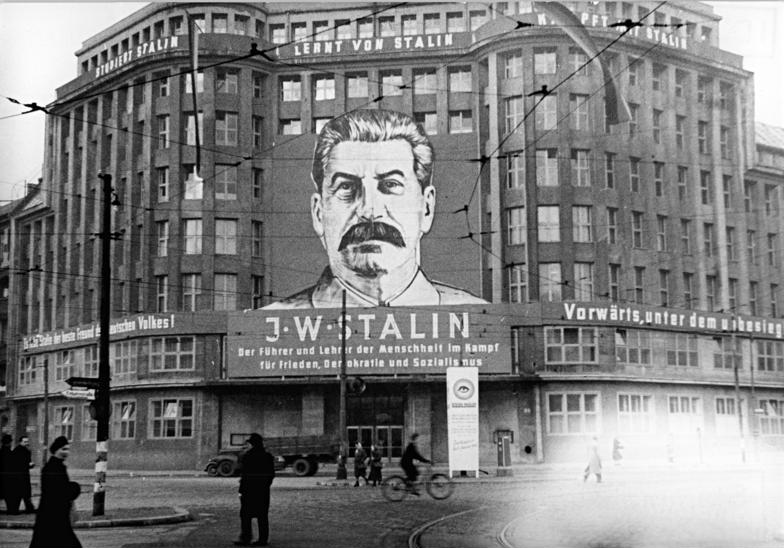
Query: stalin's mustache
x=363, y=232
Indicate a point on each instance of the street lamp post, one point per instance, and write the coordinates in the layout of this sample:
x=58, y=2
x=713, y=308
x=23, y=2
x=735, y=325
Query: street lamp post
x=341, y=470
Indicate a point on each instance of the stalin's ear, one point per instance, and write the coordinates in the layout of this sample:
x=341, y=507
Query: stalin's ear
x=429, y=209
x=316, y=214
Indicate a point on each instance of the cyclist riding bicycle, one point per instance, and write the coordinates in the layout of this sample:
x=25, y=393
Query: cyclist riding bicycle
x=407, y=463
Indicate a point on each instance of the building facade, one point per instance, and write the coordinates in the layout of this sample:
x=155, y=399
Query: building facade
x=629, y=267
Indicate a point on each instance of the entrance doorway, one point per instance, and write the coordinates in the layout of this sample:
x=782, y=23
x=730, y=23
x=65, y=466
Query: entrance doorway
x=389, y=439
x=376, y=419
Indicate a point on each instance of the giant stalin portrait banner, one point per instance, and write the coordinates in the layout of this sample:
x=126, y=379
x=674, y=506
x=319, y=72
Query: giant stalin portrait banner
x=379, y=341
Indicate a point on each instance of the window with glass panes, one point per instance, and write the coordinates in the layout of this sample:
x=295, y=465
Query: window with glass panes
x=391, y=83
x=257, y=233
x=291, y=89
x=344, y=29
x=548, y=223
x=455, y=22
x=226, y=124
x=550, y=281
x=732, y=291
x=546, y=113
x=241, y=24
x=582, y=230
x=774, y=300
x=578, y=62
x=609, y=169
x=63, y=364
x=425, y=82
x=661, y=233
x=580, y=167
x=291, y=126
x=612, y=225
x=225, y=292
x=226, y=82
x=578, y=107
x=544, y=61
x=681, y=349
x=460, y=79
x=162, y=293
x=771, y=200
x=685, y=413
x=432, y=23
x=680, y=128
x=172, y=353
x=547, y=167
x=162, y=228
x=518, y=283
x=770, y=355
x=171, y=418
x=193, y=236
x=516, y=225
x=124, y=420
x=637, y=219
x=90, y=361
x=89, y=425
x=724, y=352
x=515, y=173
x=664, y=287
x=513, y=113
x=634, y=174
x=771, y=421
x=226, y=236
x=163, y=86
x=190, y=128
x=163, y=131
x=634, y=118
x=656, y=125
x=702, y=90
x=583, y=281
x=570, y=345
x=124, y=357
x=409, y=24
x=726, y=418
x=428, y=121
x=614, y=280
x=325, y=88
x=513, y=64
x=258, y=291
x=357, y=86
x=365, y=28
x=639, y=284
x=27, y=366
x=633, y=346
x=477, y=18
x=188, y=78
x=386, y=25
x=191, y=289
x=225, y=182
x=635, y=413
x=572, y=413
x=702, y=137
x=460, y=121
x=63, y=423
x=748, y=195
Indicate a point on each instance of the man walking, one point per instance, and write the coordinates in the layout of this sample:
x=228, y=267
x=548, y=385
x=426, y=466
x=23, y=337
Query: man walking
x=258, y=471
x=19, y=477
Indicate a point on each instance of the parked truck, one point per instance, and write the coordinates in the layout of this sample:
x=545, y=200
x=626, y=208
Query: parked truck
x=302, y=453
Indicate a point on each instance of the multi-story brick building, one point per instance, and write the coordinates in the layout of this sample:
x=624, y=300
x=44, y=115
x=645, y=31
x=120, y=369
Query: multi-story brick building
x=623, y=262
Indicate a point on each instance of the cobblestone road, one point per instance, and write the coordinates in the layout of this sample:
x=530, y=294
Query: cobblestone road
x=631, y=509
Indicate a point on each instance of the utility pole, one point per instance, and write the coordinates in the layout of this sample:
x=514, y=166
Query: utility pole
x=738, y=399
x=45, y=452
x=341, y=472
x=101, y=404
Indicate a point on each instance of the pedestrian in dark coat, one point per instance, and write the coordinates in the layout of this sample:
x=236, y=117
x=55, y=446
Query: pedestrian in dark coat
x=258, y=471
x=375, y=465
x=360, y=464
x=19, y=477
x=53, y=527
x=6, y=467
x=407, y=462
x=594, y=462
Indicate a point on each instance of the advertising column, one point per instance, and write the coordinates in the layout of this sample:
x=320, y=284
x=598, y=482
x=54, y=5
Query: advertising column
x=462, y=401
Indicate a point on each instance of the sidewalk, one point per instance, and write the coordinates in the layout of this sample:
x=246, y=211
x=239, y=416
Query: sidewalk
x=120, y=517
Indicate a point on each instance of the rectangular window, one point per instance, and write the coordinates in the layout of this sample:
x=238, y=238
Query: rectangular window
x=726, y=183
x=724, y=353
x=516, y=225
x=774, y=300
x=225, y=292
x=227, y=82
x=771, y=200
x=226, y=236
x=639, y=284
x=226, y=127
x=64, y=421
x=583, y=281
x=163, y=183
x=706, y=193
x=680, y=129
x=190, y=129
x=513, y=65
x=632, y=347
x=753, y=294
x=193, y=236
x=614, y=276
x=515, y=174
x=656, y=128
x=241, y=24
x=518, y=283
x=409, y=24
x=90, y=361
x=343, y=29
x=612, y=225
x=477, y=18
x=225, y=182
x=732, y=290
x=544, y=61
x=299, y=31
x=545, y=113
x=432, y=23
x=550, y=281
x=258, y=181
x=124, y=420
x=710, y=292
x=191, y=289
x=513, y=109
x=386, y=25
x=751, y=246
x=258, y=131
x=547, y=167
x=659, y=71
x=460, y=80
x=748, y=195
x=771, y=422
x=770, y=355
x=609, y=169
x=455, y=22
x=291, y=89
x=731, y=243
x=171, y=418
x=460, y=121
x=163, y=86
x=257, y=239
x=163, y=238
x=708, y=239
x=278, y=34
x=582, y=229
x=258, y=291
x=634, y=174
x=688, y=289
x=726, y=418
x=685, y=414
x=681, y=350
x=425, y=82
x=637, y=221
x=161, y=293
x=581, y=169
x=258, y=85
x=570, y=345
x=680, y=82
x=391, y=84
x=658, y=179
x=683, y=173
x=702, y=137
x=124, y=355
x=428, y=121
x=357, y=86
x=661, y=233
x=703, y=93
x=635, y=414
x=572, y=413
x=325, y=88
x=172, y=353
x=578, y=62
x=291, y=127
x=724, y=142
x=578, y=106
x=634, y=118
x=63, y=365
x=664, y=287
x=549, y=226
x=686, y=236
x=635, y=70
x=163, y=131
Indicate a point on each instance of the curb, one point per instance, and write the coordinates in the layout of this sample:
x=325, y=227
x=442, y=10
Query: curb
x=180, y=515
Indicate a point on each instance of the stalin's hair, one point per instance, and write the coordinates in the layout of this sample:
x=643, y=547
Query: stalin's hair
x=374, y=126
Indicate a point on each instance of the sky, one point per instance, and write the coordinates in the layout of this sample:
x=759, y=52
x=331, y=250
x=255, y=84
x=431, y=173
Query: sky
x=38, y=41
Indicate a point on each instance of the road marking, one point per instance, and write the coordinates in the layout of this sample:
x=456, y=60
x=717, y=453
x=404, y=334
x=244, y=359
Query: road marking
x=413, y=538
x=501, y=537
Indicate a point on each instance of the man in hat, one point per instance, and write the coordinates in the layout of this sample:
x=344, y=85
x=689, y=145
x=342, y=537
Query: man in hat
x=257, y=473
x=374, y=202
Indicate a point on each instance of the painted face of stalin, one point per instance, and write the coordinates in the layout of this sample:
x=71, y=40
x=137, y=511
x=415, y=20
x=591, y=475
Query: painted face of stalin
x=372, y=211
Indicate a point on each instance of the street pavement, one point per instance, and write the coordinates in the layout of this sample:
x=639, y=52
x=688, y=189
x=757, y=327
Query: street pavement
x=539, y=507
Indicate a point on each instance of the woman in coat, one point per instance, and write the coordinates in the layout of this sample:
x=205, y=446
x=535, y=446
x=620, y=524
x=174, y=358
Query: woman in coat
x=594, y=462
x=53, y=520
x=375, y=465
x=360, y=464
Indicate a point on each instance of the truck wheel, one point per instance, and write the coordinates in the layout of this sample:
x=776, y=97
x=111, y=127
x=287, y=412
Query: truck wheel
x=301, y=467
x=226, y=468
x=212, y=469
x=314, y=466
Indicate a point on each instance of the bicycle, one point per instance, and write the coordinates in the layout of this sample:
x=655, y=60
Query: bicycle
x=439, y=486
